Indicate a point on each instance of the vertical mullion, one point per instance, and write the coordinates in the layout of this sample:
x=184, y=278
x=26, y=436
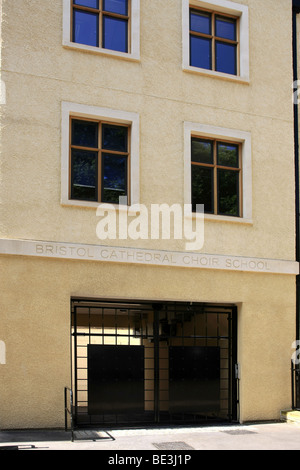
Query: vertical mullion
x=72, y=22
x=101, y=23
x=240, y=181
x=215, y=179
x=213, y=44
x=129, y=26
x=238, y=65
x=70, y=158
x=99, y=162
x=128, y=189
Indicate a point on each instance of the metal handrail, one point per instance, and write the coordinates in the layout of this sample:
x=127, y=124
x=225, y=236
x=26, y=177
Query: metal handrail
x=295, y=376
x=69, y=411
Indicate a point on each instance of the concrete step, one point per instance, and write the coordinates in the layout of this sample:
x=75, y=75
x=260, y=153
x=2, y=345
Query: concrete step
x=290, y=416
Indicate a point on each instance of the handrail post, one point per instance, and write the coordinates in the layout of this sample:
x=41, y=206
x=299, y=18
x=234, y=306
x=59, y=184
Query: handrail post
x=293, y=384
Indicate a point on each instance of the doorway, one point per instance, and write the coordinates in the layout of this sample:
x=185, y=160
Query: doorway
x=138, y=363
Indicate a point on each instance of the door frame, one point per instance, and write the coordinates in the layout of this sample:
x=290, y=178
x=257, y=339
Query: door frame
x=232, y=311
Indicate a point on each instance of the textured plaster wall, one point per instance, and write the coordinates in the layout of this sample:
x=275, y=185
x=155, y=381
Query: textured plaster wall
x=35, y=322
x=39, y=73
x=35, y=293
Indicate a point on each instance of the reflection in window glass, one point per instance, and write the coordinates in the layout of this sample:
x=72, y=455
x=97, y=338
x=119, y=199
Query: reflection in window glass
x=228, y=155
x=101, y=24
x=114, y=178
x=200, y=22
x=84, y=133
x=116, y=6
x=202, y=188
x=87, y=3
x=84, y=175
x=85, y=28
x=99, y=161
x=114, y=137
x=215, y=176
x=202, y=151
x=226, y=58
x=200, y=50
x=115, y=34
x=228, y=189
x=226, y=28
x=213, y=42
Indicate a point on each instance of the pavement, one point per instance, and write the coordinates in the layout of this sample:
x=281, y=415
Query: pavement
x=185, y=440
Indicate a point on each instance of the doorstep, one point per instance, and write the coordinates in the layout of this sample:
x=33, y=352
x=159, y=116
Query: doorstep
x=290, y=416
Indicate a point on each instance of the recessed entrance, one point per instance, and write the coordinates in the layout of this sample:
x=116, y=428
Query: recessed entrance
x=149, y=362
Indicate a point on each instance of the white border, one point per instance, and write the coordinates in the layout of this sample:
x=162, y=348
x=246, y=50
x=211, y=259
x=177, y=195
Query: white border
x=222, y=6
x=95, y=112
x=134, y=54
x=236, y=136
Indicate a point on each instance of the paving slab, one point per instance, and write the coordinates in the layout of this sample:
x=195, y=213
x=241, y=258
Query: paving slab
x=269, y=436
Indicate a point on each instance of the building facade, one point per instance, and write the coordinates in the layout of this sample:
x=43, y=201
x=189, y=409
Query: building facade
x=147, y=229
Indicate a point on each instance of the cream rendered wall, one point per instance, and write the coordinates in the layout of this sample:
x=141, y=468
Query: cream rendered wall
x=35, y=318
x=39, y=74
x=35, y=293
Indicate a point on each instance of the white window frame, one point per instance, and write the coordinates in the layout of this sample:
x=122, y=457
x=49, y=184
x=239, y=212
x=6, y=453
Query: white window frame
x=241, y=137
x=115, y=116
x=220, y=6
x=133, y=54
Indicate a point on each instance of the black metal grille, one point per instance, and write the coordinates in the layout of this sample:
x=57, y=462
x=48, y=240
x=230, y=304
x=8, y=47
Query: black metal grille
x=153, y=360
x=295, y=371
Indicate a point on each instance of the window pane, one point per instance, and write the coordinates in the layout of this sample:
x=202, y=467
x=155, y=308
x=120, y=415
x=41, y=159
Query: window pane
x=200, y=22
x=228, y=192
x=114, y=137
x=228, y=155
x=85, y=28
x=116, y=6
x=226, y=58
x=114, y=182
x=84, y=133
x=226, y=28
x=200, y=52
x=84, y=175
x=87, y=3
x=115, y=36
x=202, y=151
x=202, y=188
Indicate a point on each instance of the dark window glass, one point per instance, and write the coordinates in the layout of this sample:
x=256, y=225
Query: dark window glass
x=114, y=137
x=226, y=57
x=202, y=188
x=116, y=6
x=114, y=179
x=200, y=50
x=226, y=28
x=200, y=22
x=85, y=133
x=228, y=192
x=87, y=3
x=115, y=34
x=228, y=155
x=86, y=28
x=84, y=175
x=202, y=151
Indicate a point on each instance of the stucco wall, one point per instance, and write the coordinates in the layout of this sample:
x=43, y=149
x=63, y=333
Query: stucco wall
x=35, y=311
x=39, y=74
